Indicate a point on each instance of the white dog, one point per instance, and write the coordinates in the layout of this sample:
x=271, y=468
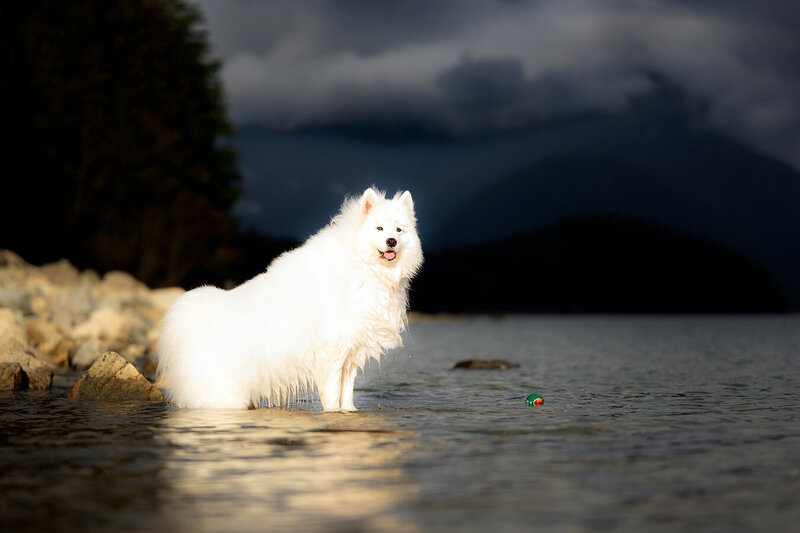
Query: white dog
x=312, y=319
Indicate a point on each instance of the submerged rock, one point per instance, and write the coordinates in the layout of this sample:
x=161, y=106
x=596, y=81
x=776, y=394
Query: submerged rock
x=485, y=364
x=112, y=378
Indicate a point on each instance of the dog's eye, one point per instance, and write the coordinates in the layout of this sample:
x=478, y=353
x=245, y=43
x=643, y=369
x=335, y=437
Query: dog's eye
x=379, y=228
x=399, y=230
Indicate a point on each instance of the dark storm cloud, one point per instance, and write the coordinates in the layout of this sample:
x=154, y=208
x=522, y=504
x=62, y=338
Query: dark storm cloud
x=473, y=67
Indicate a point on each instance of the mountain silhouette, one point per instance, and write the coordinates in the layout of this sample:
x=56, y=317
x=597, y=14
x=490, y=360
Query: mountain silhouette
x=657, y=164
x=595, y=264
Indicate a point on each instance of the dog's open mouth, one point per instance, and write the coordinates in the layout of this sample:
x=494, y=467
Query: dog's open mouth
x=389, y=255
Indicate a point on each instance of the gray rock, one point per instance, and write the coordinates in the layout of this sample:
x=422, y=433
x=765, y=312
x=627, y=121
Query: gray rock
x=11, y=376
x=485, y=364
x=112, y=378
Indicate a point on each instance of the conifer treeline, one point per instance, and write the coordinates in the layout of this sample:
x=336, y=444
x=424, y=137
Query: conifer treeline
x=117, y=123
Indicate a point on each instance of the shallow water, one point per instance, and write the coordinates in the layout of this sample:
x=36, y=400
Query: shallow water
x=649, y=424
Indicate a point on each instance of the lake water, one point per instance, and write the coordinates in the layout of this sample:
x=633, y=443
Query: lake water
x=649, y=424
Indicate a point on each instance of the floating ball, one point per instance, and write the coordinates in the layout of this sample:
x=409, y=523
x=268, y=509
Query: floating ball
x=534, y=399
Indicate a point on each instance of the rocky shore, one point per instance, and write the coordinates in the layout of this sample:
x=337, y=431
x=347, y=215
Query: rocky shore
x=56, y=320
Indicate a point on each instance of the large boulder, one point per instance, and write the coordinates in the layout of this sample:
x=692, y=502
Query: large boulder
x=112, y=378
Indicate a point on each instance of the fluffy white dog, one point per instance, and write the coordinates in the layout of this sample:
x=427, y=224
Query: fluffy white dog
x=312, y=319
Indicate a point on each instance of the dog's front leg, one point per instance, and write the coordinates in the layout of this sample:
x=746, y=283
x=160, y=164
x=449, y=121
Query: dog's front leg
x=330, y=387
x=348, y=382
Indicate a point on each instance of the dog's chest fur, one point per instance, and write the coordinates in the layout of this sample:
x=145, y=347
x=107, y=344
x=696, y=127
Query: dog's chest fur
x=376, y=317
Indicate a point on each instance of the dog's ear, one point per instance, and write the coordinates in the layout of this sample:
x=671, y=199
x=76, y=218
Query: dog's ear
x=407, y=201
x=368, y=201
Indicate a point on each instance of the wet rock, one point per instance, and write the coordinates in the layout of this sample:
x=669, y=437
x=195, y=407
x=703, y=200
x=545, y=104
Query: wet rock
x=15, y=348
x=485, y=364
x=38, y=372
x=11, y=377
x=112, y=378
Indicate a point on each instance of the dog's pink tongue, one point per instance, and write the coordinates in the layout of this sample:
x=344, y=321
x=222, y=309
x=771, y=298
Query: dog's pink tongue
x=389, y=255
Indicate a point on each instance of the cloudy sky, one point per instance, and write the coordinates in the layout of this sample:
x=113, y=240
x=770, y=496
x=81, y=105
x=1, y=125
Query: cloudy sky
x=474, y=66
x=477, y=75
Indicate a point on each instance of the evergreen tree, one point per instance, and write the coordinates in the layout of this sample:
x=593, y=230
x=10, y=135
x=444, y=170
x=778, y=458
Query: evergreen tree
x=118, y=123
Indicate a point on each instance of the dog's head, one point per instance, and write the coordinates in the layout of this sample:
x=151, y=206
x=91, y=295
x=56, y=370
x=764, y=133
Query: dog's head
x=387, y=234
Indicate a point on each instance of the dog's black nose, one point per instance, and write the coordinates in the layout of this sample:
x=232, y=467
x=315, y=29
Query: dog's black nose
x=391, y=242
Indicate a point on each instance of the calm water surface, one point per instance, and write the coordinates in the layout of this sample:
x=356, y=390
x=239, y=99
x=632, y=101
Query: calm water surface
x=649, y=424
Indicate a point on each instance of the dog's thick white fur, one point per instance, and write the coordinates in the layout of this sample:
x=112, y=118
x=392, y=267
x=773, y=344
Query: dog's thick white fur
x=312, y=319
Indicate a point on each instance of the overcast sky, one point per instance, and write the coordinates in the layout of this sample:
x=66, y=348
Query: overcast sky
x=464, y=67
